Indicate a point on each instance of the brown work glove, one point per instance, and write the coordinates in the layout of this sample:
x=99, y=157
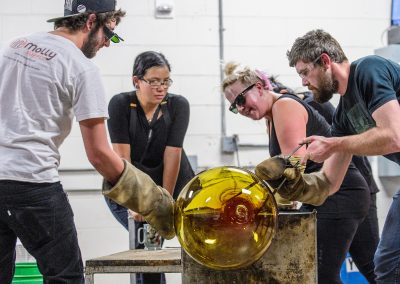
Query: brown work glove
x=310, y=188
x=271, y=170
x=135, y=190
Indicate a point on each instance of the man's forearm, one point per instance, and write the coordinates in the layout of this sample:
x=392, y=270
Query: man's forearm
x=335, y=169
x=376, y=141
x=99, y=151
x=109, y=166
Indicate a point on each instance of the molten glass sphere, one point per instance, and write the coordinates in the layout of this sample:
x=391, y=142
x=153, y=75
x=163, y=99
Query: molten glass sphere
x=225, y=218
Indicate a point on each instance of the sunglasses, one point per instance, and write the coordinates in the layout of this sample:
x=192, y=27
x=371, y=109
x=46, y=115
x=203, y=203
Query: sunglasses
x=240, y=100
x=110, y=35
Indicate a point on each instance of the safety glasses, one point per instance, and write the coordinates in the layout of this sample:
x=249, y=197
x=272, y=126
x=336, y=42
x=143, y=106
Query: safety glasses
x=240, y=100
x=155, y=83
x=306, y=71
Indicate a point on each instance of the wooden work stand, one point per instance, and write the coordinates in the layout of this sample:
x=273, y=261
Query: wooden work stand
x=135, y=261
x=291, y=258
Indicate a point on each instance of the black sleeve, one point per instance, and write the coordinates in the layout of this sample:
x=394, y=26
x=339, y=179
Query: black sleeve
x=118, y=123
x=375, y=82
x=364, y=166
x=180, y=120
x=325, y=109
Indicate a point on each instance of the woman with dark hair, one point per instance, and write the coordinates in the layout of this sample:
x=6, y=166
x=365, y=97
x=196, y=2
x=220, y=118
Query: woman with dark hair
x=147, y=127
x=289, y=119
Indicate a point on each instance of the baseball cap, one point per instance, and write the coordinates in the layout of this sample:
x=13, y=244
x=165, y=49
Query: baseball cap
x=76, y=7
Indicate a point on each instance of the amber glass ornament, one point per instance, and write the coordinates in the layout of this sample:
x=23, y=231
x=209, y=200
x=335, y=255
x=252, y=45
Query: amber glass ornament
x=225, y=218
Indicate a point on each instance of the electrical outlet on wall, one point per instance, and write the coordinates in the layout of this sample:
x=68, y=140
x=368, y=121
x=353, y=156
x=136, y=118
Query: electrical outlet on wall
x=229, y=144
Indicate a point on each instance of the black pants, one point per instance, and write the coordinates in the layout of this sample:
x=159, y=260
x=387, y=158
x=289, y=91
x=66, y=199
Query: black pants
x=41, y=217
x=335, y=239
x=339, y=220
x=365, y=243
x=121, y=214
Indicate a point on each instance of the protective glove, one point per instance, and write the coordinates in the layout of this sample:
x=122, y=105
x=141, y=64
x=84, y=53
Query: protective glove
x=271, y=170
x=283, y=203
x=310, y=188
x=135, y=190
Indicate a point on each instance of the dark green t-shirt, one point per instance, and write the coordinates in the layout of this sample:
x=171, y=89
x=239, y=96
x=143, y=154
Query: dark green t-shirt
x=373, y=81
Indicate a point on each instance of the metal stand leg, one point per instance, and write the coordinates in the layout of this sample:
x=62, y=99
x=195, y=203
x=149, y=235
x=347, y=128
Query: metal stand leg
x=89, y=279
x=132, y=236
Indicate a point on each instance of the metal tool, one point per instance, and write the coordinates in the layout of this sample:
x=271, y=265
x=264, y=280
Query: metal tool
x=287, y=159
x=295, y=149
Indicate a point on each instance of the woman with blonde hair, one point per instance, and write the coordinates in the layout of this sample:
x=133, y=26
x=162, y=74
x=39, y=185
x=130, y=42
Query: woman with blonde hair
x=289, y=119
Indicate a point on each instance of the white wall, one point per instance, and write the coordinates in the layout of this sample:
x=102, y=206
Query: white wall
x=257, y=33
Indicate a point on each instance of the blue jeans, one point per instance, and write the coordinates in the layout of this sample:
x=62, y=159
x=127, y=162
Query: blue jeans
x=121, y=214
x=387, y=256
x=40, y=215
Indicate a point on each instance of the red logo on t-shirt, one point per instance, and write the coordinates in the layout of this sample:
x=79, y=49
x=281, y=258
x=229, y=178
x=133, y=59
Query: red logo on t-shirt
x=33, y=50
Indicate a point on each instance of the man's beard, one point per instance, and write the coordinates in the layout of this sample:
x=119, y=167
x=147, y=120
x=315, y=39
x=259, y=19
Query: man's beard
x=89, y=47
x=327, y=87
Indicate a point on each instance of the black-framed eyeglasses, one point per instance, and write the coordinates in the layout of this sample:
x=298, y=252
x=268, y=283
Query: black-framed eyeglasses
x=110, y=35
x=240, y=100
x=155, y=83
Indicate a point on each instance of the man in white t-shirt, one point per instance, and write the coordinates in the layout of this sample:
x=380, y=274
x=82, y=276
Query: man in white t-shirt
x=45, y=80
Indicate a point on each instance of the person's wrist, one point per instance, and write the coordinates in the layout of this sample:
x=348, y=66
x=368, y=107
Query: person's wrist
x=338, y=144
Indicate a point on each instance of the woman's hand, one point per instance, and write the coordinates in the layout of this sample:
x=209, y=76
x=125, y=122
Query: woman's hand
x=136, y=216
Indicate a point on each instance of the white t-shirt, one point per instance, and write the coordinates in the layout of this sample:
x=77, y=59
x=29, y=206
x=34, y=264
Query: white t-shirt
x=44, y=80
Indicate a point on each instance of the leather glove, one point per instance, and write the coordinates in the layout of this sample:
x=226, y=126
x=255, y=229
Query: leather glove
x=284, y=203
x=135, y=190
x=271, y=170
x=310, y=188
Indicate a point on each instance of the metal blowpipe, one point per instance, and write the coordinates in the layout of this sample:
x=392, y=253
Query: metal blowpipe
x=287, y=159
